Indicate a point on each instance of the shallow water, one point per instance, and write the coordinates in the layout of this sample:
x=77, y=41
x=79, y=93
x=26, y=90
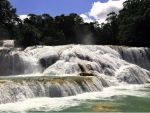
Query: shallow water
x=124, y=98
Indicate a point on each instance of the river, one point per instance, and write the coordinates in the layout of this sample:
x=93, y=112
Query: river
x=79, y=78
x=123, y=98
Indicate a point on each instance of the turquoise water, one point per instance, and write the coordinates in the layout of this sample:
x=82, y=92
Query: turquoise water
x=125, y=98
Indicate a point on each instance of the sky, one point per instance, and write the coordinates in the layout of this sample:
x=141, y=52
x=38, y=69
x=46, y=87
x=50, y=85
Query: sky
x=89, y=10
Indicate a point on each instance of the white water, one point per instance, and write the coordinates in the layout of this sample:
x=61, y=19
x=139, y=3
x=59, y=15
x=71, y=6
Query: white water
x=13, y=62
x=58, y=104
x=13, y=89
x=139, y=56
x=112, y=65
x=74, y=59
x=7, y=43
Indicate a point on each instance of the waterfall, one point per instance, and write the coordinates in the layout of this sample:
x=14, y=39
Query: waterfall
x=139, y=56
x=69, y=70
x=19, y=89
x=7, y=43
x=14, y=62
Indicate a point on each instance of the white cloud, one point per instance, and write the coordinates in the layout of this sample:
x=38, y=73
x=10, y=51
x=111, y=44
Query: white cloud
x=86, y=18
x=23, y=16
x=100, y=10
x=102, y=20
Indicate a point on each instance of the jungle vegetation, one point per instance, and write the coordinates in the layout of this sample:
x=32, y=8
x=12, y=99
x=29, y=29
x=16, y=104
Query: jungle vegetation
x=131, y=27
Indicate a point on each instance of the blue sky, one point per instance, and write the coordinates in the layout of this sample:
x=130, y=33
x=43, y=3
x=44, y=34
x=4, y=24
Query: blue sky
x=89, y=10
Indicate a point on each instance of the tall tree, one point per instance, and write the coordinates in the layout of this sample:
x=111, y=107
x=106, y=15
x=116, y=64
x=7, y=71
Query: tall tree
x=134, y=23
x=8, y=19
x=112, y=20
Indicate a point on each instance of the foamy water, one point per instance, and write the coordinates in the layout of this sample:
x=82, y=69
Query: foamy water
x=115, y=67
x=59, y=104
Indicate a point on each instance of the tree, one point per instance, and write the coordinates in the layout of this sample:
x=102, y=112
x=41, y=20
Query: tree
x=134, y=24
x=8, y=19
x=30, y=35
x=48, y=28
x=107, y=32
x=112, y=20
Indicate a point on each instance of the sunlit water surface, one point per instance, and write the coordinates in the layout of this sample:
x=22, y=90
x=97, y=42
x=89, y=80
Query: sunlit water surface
x=129, y=98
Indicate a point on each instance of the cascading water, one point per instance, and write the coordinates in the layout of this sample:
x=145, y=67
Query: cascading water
x=21, y=88
x=68, y=70
x=14, y=61
x=139, y=56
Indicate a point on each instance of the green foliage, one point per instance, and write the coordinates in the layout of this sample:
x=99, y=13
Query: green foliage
x=134, y=23
x=8, y=19
x=130, y=27
x=107, y=32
